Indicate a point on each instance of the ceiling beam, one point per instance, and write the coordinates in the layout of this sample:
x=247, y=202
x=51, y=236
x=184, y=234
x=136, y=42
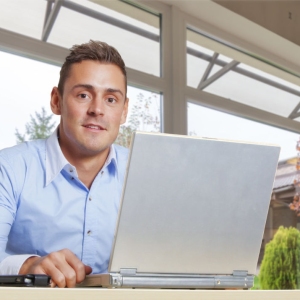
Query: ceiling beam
x=208, y=69
x=48, y=11
x=218, y=74
x=51, y=19
x=295, y=113
x=244, y=72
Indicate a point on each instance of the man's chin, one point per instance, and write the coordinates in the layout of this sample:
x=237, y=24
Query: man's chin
x=95, y=149
x=95, y=146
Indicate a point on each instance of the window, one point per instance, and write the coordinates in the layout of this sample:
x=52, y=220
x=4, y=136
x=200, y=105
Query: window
x=133, y=31
x=144, y=114
x=137, y=39
x=207, y=122
x=26, y=86
x=223, y=85
x=214, y=73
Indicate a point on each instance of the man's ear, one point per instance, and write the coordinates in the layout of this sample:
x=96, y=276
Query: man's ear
x=125, y=112
x=55, y=101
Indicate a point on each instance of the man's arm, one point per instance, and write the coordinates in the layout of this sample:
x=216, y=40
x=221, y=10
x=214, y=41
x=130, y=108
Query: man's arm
x=11, y=264
x=63, y=266
x=8, y=206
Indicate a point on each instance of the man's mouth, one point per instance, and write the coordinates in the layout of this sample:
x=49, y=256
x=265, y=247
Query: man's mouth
x=92, y=126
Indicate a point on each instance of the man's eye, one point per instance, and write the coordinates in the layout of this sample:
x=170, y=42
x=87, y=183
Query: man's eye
x=111, y=100
x=83, y=96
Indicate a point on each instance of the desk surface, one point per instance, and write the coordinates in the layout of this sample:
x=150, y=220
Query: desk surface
x=7, y=293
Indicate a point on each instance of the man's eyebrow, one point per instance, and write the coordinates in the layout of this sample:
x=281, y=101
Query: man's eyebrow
x=112, y=90
x=90, y=87
x=82, y=85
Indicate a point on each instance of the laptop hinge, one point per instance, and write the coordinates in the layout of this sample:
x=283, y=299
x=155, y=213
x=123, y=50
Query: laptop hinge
x=128, y=271
x=240, y=273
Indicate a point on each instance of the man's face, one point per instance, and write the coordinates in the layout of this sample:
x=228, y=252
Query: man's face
x=92, y=107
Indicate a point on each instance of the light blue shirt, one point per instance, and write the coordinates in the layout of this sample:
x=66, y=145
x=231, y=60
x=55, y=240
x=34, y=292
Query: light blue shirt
x=44, y=207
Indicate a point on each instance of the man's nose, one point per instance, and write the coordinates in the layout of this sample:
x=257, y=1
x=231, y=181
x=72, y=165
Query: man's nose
x=97, y=107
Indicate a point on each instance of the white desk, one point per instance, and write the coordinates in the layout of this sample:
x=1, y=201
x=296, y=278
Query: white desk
x=8, y=293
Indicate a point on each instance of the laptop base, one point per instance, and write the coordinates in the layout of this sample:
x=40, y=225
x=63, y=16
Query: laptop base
x=118, y=280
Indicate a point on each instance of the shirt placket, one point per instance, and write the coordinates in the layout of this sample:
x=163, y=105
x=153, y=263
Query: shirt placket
x=91, y=226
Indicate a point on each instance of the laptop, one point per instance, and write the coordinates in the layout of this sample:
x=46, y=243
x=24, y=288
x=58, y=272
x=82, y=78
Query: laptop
x=192, y=213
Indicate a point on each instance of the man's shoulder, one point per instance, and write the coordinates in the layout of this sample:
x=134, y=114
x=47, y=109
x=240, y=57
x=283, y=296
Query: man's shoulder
x=25, y=152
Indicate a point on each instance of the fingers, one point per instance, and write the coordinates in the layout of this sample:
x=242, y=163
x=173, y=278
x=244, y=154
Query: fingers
x=64, y=267
x=76, y=273
x=62, y=274
x=88, y=269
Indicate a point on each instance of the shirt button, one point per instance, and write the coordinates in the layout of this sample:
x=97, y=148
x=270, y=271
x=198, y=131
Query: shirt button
x=102, y=172
x=90, y=198
x=71, y=170
x=89, y=232
x=72, y=178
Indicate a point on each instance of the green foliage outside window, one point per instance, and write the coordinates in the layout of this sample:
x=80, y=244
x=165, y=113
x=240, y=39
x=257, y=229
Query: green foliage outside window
x=39, y=127
x=280, y=268
x=143, y=117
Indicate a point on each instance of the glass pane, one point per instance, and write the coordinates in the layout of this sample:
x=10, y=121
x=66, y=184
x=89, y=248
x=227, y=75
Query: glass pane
x=241, y=83
x=24, y=17
x=252, y=92
x=195, y=70
x=140, y=50
x=269, y=76
x=133, y=31
x=207, y=122
x=26, y=86
x=144, y=114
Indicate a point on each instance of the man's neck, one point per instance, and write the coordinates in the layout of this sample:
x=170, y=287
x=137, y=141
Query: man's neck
x=87, y=170
x=87, y=167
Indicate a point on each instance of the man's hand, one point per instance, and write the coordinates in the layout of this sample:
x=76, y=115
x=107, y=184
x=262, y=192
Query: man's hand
x=64, y=267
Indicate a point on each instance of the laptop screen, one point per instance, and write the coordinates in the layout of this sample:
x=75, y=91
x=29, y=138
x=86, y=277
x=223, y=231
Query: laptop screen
x=193, y=205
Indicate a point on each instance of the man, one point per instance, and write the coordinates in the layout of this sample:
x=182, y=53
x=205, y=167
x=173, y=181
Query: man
x=59, y=197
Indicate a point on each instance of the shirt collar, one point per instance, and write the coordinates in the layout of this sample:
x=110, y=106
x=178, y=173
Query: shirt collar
x=56, y=161
x=112, y=158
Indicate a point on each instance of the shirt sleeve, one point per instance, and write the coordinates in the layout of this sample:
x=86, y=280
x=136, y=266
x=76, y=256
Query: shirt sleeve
x=9, y=195
x=11, y=265
x=8, y=206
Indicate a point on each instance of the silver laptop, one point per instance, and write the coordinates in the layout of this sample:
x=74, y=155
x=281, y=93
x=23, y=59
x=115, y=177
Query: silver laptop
x=192, y=213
